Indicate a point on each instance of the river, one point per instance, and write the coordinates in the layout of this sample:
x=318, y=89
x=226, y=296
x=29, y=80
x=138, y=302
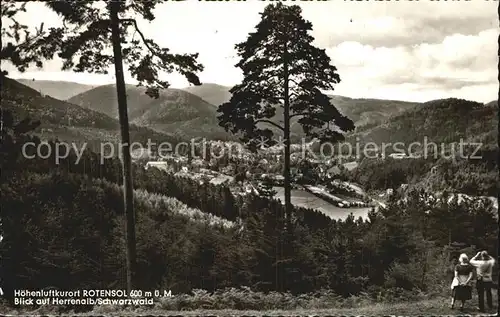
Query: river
x=304, y=199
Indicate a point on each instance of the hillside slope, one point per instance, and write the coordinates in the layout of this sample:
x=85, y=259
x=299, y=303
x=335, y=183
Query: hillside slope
x=369, y=112
x=175, y=111
x=432, y=134
x=212, y=93
x=66, y=121
x=192, y=111
x=440, y=121
x=361, y=111
x=493, y=103
x=25, y=101
x=61, y=90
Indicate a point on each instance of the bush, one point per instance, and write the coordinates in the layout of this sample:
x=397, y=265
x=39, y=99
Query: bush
x=246, y=299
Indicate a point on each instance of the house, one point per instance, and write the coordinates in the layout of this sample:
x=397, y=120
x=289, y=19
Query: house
x=333, y=171
x=249, y=188
x=158, y=165
x=278, y=177
x=206, y=171
x=350, y=165
x=397, y=156
x=228, y=169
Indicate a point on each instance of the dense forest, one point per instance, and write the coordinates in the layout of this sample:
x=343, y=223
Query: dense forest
x=442, y=121
x=468, y=176
x=84, y=221
x=440, y=162
x=68, y=218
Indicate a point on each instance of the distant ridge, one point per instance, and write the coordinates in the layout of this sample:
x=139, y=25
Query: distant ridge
x=175, y=111
x=361, y=110
x=61, y=90
x=364, y=111
x=212, y=93
x=192, y=111
x=441, y=121
x=69, y=122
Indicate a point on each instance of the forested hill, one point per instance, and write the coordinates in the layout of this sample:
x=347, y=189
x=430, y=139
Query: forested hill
x=493, y=103
x=69, y=122
x=362, y=111
x=440, y=121
x=27, y=102
x=61, y=90
x=191, y=111
x=175, y=111
x=370, y=112
x=472, y=170
x=211, y=93
x=399, y=252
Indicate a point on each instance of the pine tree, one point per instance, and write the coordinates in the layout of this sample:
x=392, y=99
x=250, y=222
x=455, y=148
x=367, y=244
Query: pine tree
x=20, y=46
x=86, y=33
x=11, y=137
x=282, y=69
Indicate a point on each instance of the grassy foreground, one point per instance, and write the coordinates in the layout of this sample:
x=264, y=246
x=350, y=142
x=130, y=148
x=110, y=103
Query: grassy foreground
x=436, y=306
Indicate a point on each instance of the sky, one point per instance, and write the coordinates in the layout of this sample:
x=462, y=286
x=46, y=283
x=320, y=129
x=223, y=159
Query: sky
x=402, y=50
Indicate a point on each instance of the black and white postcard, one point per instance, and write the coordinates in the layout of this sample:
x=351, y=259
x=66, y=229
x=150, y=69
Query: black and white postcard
x=249, y=158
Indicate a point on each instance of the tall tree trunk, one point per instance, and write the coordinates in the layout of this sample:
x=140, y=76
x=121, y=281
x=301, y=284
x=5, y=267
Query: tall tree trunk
x=127, y=162
x=286, y=170
x=285, y=229
x=424, y=271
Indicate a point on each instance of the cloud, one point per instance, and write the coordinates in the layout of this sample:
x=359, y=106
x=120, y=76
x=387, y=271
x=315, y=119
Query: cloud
x=406, y=50
x=392, y=31
x=459, y=61
x=414, y=92
x=393, y=23
x=463, y=51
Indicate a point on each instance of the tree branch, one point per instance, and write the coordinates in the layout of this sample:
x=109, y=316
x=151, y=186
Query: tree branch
x=271, y=123
x=299, y=114
x=271, y=76
x=29, y=40
x=134, y=22
x=292, y=94
x=293, y=81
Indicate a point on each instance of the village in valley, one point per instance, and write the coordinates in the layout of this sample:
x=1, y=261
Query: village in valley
x=318, y=182
x=248, y=158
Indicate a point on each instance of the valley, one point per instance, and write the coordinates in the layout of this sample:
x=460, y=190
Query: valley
x=191, y=111
x=216, y=207
x=249, y=158
x=89, y=116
